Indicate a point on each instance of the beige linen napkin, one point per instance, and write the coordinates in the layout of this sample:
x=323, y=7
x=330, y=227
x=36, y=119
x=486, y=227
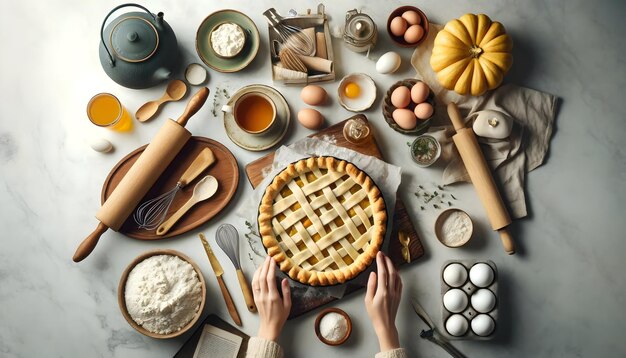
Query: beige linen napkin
x=532, y=111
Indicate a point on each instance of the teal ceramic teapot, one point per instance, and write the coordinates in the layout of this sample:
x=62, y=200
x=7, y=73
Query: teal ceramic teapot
x=138, y=49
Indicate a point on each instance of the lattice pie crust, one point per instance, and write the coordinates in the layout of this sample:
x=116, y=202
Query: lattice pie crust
x=323, y=220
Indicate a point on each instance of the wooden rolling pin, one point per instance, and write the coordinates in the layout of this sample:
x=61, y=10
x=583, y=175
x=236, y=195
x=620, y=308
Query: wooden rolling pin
x=481, y=177
x=142, y=175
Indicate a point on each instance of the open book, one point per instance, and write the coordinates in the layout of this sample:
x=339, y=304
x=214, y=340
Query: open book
x=215, y=342
x=215, y=338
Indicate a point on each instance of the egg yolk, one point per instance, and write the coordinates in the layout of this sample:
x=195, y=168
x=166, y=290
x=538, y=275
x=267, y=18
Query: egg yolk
x=352, y=90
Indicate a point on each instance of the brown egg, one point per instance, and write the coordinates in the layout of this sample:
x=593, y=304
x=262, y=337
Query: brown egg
x=413, y=34
x=310, y=118
x=404, y=118
x=398, y=26
x=424, y=110
x=401, y=97
x=412, y=17
x=313, y=95
x=419, y=92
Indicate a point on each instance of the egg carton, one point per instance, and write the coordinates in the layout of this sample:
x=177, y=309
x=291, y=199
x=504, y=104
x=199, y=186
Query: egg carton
x=469, y=312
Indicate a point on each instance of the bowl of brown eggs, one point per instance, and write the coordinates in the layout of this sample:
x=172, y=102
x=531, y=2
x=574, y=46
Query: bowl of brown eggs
x=407, y=26
x=409, y=106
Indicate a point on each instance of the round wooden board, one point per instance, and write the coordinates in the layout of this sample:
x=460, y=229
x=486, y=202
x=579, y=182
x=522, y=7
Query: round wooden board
x=225, y=170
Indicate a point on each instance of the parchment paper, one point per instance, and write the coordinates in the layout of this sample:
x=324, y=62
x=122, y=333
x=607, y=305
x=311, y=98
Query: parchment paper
x=386, y=176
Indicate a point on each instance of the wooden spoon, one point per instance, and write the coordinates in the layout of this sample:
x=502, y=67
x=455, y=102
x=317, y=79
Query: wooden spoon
x=175, y=90
x=204, y=189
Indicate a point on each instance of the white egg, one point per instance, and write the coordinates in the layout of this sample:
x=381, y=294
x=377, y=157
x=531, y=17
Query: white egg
x=483, y=300
x=455, y=274
x=457, y=325
x=483, y=325
x=388, y=63
x=481, y=274
x=455, y=300
x=101, y=145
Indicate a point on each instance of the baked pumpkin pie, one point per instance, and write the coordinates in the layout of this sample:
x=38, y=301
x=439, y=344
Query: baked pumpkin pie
x=323, y=220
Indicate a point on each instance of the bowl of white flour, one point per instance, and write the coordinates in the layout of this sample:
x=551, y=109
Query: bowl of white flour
x=454, y=227
x=162, y=293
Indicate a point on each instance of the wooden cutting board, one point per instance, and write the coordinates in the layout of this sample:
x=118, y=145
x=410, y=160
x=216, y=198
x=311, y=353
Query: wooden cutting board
x=225, y=170
x=401, y=220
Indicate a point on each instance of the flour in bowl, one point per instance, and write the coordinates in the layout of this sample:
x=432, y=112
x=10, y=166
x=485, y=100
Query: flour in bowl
x=163, y=293
x=228, y=39
x=456, y=229
x=333, y=327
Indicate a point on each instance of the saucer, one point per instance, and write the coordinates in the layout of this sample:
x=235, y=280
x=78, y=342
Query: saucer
x=233, y=64
x=267, y=140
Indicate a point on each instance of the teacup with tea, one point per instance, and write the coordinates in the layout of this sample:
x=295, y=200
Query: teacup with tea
x=254, y=113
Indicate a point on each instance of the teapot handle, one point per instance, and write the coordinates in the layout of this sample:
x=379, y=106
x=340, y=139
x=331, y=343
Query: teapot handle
x=111, y=60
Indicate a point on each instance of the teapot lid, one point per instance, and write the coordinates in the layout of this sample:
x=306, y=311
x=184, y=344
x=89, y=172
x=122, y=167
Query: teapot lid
x=134, y=39
x=359, y=26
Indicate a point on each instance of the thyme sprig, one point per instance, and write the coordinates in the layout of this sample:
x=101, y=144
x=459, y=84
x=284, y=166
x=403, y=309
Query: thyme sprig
x=439, y=192
x=253, y=238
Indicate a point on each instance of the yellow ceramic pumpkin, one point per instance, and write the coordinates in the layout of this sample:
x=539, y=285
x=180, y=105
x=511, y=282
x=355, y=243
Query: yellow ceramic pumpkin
x=472, y=54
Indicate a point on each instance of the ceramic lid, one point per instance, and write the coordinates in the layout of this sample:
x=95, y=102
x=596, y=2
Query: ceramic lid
x=134, y=39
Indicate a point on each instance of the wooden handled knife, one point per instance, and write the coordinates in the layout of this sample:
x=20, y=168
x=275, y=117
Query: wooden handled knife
x=217, y=268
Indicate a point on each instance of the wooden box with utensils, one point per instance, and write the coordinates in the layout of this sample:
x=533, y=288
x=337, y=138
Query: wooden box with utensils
x=319, y=22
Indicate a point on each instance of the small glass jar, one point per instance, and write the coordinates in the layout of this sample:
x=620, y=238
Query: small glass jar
x=425, y=150
x=356, y=131
x=360, y=32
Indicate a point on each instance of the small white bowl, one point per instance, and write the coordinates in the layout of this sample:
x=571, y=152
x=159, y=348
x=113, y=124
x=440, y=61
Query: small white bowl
x=366, y=97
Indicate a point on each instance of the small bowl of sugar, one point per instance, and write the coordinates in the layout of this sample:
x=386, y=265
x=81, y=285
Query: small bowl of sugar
x=454, y=227
x=333, y=326
x=162, y=293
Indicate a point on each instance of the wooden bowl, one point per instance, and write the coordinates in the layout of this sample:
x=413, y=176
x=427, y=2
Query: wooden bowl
x=399, y=40
x=319, y=319
x=388, y=108
x=122, y=287
x=439, y=225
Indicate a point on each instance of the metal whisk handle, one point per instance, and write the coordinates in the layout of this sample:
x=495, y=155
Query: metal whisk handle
x=272, y=17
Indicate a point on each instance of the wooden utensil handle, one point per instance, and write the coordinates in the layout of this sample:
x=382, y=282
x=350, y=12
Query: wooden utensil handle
x=87, y=246
x=455, y=116
x=167, y=225
x=195, y=103
x=201, y=163
x=245, y=289
x=507, y=241
x=229, y=301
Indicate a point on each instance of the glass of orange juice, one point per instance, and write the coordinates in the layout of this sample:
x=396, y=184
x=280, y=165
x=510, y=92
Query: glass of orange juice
x=105, y=110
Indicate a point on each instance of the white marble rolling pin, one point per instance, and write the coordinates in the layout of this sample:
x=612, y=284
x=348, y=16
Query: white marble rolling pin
x=481, y=177
x=142, y=175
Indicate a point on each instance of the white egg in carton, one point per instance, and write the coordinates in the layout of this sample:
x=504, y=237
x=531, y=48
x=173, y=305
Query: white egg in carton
x=469, y=299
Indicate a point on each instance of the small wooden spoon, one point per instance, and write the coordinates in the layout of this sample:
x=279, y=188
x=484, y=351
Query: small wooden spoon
x=204, y=189
x=175, y=90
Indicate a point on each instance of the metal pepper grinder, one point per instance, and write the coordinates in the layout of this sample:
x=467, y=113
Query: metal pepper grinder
x=360, y=32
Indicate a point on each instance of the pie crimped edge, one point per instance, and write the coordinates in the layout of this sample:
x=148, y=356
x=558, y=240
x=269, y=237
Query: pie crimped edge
x=284, y=261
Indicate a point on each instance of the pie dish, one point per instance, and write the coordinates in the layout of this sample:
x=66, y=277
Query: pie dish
x=323, y=220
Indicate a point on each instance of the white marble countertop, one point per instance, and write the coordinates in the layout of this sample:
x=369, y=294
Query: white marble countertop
x=562, y=295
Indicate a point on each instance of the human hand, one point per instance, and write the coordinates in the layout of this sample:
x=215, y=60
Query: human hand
x=382, y=300
x=273, y=310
